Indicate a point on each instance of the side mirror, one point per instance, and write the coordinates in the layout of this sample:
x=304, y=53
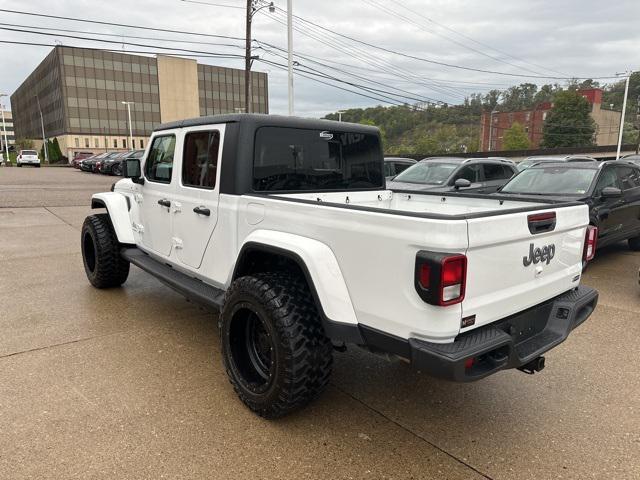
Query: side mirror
x=133, y=170
x=461, y=183
x=611, y=192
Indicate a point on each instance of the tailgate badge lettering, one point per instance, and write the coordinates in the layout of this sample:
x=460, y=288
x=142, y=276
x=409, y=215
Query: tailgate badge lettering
x=537, y=255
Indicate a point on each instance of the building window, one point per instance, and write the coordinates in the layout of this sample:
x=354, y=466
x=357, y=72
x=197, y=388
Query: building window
x=96, y=142
x=115, y=143
x=133, y=144
x=141, y=144
x=527, y=116
x=86, y=142
x=124, y=143
x=77, y=142
x=106, y=142
x=544, y=116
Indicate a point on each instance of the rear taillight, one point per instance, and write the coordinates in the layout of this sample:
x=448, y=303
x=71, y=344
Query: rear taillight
x=590, y=241
x=440, y=278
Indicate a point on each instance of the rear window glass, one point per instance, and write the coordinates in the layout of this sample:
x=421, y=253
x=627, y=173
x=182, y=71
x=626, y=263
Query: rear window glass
x=29, y=152
x=315, y=160
x=200, y=159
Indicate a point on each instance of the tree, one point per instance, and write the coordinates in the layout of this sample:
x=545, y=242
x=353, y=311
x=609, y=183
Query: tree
x=515, y=138
x=24, y=144
x=569, y=123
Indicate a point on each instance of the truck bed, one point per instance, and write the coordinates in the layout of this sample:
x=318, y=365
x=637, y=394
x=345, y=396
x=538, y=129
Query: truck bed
x=425, y=204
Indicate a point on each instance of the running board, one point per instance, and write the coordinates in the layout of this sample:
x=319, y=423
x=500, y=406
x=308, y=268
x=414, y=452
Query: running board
x=190, y=287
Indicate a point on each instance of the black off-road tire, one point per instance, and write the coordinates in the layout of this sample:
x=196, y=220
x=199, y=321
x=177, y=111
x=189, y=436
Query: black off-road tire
x=634, y=243
x=300, y=358
x=104, y=266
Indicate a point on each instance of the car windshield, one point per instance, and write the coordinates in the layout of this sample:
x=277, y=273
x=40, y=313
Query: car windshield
x=430, y=173
x=552, y=180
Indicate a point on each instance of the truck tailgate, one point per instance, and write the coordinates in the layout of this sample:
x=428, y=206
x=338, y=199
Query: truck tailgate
x=521, y=269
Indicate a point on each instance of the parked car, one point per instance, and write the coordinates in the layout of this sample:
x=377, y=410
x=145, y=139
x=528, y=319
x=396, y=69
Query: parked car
x=77, y=156
x=113, y=165
x=396, y=165
x=227, y=211
x=88, y=164
x=611, y=189
x=28, y=157
x=635, y=158
x=530, y=161
x=443, y=174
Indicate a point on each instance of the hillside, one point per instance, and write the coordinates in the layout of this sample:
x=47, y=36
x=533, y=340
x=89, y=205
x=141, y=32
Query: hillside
x=435, y=129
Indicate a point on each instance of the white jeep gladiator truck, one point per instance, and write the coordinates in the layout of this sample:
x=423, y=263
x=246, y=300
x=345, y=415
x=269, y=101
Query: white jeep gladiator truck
x=284, y=225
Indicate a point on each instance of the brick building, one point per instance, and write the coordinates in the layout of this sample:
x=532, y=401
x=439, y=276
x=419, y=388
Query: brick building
x=493, y=124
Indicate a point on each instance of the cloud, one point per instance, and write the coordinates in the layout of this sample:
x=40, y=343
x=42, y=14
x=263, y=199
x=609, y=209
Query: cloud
x=578, y=38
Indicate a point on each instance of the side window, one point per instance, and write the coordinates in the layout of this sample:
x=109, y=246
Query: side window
x=159, y=164
x=200, y=159
x=608, y=178
x=401, y=167
x=494, y=172
x=470, y=172
x=628, y=177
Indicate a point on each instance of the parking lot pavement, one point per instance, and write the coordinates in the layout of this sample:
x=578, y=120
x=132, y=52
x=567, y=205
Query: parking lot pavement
x=128, y=383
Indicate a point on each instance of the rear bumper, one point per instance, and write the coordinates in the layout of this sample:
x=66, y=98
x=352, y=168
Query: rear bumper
x=509, y=343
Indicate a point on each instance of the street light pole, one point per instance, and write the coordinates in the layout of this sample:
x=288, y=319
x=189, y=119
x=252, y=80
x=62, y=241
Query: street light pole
x=4, y=129
x=44, y=139
x=290, y=52
x=624, y=109
x=128, y=104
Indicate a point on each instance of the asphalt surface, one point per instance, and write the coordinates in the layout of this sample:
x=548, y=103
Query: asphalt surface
x=128, y=383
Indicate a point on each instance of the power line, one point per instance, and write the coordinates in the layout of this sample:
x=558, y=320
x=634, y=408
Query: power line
x=117, y=35
x=388, y=10
x=435, y=62
x=478, y=42
x=100, y=22
x=117, y=42
x=141, y=52
x=358, y=53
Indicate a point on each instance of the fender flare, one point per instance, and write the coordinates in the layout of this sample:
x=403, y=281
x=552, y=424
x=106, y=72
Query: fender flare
x=117, y=206
x=322, y=272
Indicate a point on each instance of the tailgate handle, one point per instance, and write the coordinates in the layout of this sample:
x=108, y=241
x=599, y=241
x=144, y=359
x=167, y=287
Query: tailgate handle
x=542, y=222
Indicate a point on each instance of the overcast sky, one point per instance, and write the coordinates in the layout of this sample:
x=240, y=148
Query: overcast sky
x=582, y=38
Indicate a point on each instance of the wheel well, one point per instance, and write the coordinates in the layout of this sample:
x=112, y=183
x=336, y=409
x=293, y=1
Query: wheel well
x=268, y=259
x=259, y=258
x=97, y=203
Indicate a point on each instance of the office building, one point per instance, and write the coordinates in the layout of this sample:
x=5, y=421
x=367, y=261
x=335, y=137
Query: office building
x=80, y=93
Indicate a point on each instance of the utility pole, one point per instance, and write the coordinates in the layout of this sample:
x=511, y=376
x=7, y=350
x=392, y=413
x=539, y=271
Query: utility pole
x=290, y=52
x=624, y=110
x=247, y=60
x=128, y=104
x=44, y=139
x=4, y=129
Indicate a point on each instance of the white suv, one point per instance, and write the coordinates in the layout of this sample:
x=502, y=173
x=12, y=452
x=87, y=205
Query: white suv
x=28, y=157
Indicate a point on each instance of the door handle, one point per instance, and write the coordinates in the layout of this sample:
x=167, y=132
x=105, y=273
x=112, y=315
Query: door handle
x=202, y=211
x=164, y=202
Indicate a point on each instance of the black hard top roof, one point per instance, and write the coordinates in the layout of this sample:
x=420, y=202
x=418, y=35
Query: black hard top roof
x=256, y=120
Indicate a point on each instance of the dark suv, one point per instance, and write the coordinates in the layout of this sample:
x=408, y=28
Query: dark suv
x=611, y=189
x=442, y=174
